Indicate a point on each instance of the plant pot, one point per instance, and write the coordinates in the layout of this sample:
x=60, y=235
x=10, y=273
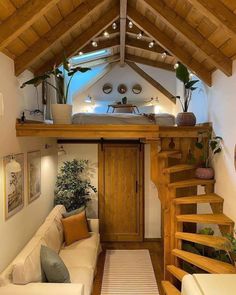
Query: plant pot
x=62, y=113
x=204, y=173
x=186, y=119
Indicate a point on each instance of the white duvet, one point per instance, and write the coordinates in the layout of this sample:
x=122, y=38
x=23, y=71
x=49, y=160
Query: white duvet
x=122, y=119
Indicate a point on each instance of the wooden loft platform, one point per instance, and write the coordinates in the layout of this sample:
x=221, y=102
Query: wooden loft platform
x=148, y=132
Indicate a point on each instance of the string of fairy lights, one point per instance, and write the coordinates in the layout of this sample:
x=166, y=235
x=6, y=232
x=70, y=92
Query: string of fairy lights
x=139, y=36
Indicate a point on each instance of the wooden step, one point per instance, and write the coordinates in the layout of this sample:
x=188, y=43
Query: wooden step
x=176, y=272
x=208, y=264
x=197, y=199
x=191, y=182
x=169, y=289
x=205, y=218
x=170, y=154
x=178, y=168
x=220, y=243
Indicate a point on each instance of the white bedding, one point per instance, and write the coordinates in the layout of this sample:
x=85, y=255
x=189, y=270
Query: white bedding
x=122, y=119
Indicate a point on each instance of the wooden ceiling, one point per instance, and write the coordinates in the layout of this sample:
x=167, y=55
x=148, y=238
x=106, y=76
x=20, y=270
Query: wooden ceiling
x=199, y=33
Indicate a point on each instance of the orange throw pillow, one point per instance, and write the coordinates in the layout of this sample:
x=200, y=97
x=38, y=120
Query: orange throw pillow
x=75, y=228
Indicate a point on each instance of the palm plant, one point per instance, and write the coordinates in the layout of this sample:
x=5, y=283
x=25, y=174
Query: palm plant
x=183, y=75
x=62, y=92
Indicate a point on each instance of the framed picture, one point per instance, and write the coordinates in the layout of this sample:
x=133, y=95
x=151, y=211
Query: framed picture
x=34, y=175
x=13, y=186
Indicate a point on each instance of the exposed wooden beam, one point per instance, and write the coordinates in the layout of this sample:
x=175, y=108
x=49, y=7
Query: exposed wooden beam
x=170, y=45
x=123, y=15
x=82, y=40
x=135, y=43
x=151, y=81
x=65, y=26
x=22, y=19
x=191, y=35
x=217, y=12
x=109, y=43
x=149, y=62
x=101, y=61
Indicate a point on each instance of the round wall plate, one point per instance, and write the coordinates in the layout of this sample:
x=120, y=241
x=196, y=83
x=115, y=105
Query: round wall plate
x=107, y=88
x=137, y=89
x=122, y=88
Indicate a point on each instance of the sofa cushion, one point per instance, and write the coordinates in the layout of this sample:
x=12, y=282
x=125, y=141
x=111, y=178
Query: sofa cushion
x=50, y=233
x=79, y=257
x=27, y=266
x=75, y=228
x=82, y=275
x=92, y=242
x=53, y=266
x=56, y=212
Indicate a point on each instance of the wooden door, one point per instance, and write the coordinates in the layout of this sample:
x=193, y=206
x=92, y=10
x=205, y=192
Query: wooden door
x=121, y=192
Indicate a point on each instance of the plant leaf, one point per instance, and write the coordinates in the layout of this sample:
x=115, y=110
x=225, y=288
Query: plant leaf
x=35, y=81
x=189, y=84
x=182, y=73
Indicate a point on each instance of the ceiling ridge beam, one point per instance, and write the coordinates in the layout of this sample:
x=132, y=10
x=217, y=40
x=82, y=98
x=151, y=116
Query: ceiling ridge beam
x=123, y=15
x=218, y=13
x=153, y=82
x=82, y=40
x=149, y=62
x=191, y=35
x=22, y=19
x=160, y=37
x=65, y=26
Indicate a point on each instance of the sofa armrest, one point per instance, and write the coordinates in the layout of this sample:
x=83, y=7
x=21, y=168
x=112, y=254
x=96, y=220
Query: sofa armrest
x=189, y=286
x=94, y=225
x=43, y=289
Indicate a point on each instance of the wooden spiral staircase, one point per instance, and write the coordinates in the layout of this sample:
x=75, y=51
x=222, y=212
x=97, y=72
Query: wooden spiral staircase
x=178, y=192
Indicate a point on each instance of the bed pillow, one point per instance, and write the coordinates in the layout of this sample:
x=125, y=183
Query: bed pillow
x=74, y=212
x=75, y=228
x=53, y=267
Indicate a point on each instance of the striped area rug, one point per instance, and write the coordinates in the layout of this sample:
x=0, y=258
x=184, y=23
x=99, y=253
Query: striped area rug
x=128, y=272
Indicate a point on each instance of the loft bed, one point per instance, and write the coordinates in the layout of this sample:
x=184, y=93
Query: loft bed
x=107, y=131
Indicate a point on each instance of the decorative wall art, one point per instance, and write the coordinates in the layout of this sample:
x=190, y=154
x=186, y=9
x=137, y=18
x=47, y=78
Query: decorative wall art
x=107, y=88
x=34, y=175
x=137, y=89
x=122, y=89
x=13, y=184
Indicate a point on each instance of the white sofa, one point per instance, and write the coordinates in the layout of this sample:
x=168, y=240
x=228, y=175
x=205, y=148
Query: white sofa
x=24, y=277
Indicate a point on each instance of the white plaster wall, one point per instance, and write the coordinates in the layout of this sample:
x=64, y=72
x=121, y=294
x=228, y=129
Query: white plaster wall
x=17, y=230
x=217, y=104
x=152, y=203
x=127, y=76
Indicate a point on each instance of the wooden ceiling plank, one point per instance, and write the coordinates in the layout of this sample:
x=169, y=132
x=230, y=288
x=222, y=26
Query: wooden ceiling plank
x=149, y=62
x=218, y=13
x=123, y=15
x=191, y=35
x=22, y=19
x=151, y=81
x=160, y=37
x=83, y=39
x=54, y=35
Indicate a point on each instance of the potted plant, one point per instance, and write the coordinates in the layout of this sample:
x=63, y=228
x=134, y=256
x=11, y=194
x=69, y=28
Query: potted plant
x=62, y=111
x=214, y=147
x=185, y=118
x=72, y=188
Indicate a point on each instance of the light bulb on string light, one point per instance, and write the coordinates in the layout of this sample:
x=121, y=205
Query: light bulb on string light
x=164, y=54
x=106, y=34
x=114, y=26
x=151, y=44
x=81, y=53
x=130, y=24
x=94, y=43
x=139, y=35
x=176, y=65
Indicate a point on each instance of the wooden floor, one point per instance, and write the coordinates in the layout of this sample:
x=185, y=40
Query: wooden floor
x=156, y=252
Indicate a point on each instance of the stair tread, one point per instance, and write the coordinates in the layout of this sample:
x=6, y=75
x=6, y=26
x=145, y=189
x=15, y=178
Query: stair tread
x=205, y=218
x=178, y=168
x=169, y=289
x=208, y=264
x=220, y=243
x=191, y=182
x=176, y=271
x=205, y=198
x=171, y=154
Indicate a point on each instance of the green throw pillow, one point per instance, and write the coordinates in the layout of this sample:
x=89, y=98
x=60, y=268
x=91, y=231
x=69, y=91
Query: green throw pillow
x=74, y=212
x=53, y=267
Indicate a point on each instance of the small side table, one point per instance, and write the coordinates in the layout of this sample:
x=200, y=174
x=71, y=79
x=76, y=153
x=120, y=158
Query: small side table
x=133, y=108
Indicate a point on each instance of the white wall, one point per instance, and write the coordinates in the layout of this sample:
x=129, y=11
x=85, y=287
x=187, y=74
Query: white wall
x=217, y=104
x=17, y=230
x=127, y=76
x=152, y=203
